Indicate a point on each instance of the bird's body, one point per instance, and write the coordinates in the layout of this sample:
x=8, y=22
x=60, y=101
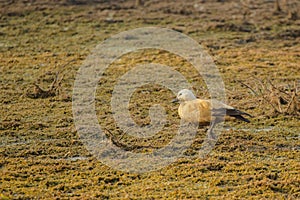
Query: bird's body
x=204, y=111
x=196, y=110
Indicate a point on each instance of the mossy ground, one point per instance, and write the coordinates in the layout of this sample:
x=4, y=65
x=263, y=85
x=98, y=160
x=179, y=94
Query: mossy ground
x=41, y=154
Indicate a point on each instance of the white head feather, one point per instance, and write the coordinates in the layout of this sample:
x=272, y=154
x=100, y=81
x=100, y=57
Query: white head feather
x=185, y=95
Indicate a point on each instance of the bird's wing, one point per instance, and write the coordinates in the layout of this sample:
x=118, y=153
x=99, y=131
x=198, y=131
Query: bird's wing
x=221, y=109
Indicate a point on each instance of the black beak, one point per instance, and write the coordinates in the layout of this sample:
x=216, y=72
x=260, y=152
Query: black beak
x=175, y=100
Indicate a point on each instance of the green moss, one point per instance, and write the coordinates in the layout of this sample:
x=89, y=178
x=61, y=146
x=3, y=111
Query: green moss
x=41, y=155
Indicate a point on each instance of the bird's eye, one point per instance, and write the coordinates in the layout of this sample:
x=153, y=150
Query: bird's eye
x=180, y=94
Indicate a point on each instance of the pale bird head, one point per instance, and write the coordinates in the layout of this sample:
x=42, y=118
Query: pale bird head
x=185, y=95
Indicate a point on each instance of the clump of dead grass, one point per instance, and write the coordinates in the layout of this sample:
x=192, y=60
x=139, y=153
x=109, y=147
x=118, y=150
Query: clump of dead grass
x=36, y=91
x=282, y=99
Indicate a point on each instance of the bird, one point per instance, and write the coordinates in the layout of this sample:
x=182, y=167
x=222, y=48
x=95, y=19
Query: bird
x=204, y=111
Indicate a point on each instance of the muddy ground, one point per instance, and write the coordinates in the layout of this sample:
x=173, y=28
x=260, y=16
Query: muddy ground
x=255, y=46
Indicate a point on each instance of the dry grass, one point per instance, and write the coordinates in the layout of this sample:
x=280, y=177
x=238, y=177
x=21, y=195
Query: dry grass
x=41, y=155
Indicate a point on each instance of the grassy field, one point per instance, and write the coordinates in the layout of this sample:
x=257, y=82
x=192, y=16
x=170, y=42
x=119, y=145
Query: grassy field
x=255, y=46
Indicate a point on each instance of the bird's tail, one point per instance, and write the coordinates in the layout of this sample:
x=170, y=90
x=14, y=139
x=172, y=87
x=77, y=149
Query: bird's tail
x=238, y=114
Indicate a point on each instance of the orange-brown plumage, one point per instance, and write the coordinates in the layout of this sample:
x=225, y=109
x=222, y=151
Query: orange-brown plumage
x=203, y=111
